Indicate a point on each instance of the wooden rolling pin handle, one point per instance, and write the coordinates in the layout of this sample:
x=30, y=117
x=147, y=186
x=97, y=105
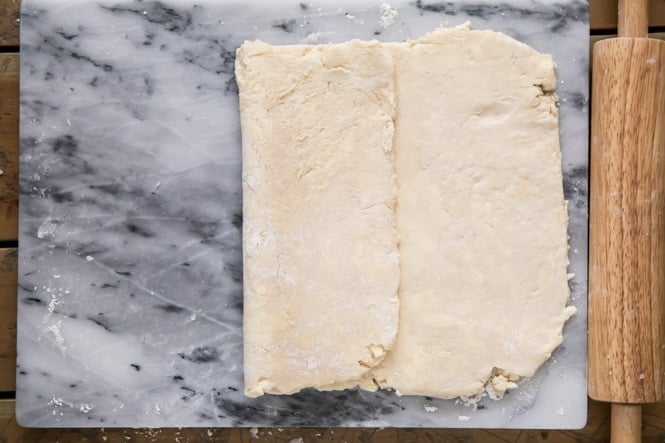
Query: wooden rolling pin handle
x=626, y=423
x=633, y=18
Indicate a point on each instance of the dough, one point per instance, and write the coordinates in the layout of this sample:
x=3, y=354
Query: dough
x=321, y=266
x=480, y=212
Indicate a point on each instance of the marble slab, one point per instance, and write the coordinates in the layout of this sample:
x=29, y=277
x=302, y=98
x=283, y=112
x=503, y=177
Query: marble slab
x=130, y=295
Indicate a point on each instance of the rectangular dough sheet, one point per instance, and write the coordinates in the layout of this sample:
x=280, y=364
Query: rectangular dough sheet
x=321, y=266
x=482, y=221
x=480, y=212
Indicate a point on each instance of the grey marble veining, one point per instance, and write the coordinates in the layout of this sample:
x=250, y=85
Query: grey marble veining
x=130, y=296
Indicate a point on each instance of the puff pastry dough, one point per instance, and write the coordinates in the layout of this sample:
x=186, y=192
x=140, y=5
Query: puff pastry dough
x=321, y=265
x=480, y=214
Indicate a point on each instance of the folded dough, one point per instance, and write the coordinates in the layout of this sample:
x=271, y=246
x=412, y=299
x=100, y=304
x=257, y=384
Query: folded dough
x=321, y=266
x=480, y=213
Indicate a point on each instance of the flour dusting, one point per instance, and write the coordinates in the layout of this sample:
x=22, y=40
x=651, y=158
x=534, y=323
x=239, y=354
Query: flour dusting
x=254, y=433
x=388, y=16
x=59, y=339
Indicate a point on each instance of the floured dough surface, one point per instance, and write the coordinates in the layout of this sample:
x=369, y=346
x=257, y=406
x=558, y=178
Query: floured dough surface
x=481, y=215
x=479, y=210
x=321, y=266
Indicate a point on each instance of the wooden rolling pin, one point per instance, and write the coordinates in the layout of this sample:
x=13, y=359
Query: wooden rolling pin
x=627, y=222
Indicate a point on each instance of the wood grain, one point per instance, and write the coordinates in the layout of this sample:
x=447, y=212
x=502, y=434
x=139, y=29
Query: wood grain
x=627, y=223
x=633, y=18
x=603, y=14
x=9, y=108
x=8, y=277
x=9, y=22
x=625, y=423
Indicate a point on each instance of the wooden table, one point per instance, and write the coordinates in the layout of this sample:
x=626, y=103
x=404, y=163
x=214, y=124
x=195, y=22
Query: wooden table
x=603, y=23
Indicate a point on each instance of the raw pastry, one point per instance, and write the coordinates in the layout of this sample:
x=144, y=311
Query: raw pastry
x=321, y=266
x=480, y=212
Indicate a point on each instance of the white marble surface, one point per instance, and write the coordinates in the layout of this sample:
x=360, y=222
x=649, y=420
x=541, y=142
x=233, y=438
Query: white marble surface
x=130, y=297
